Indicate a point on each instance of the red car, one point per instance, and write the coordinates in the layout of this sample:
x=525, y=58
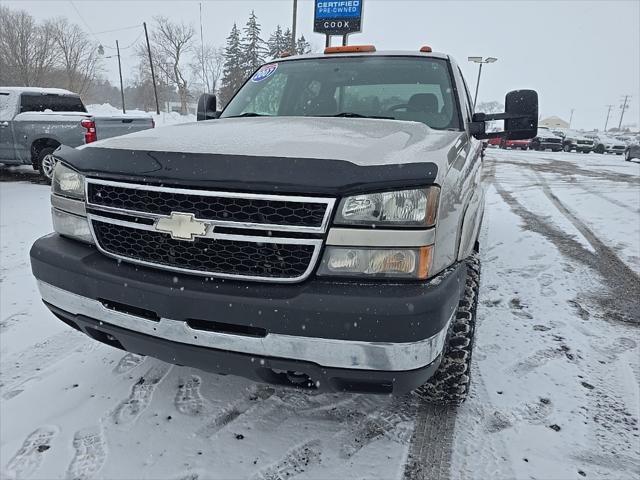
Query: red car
x=521, y=144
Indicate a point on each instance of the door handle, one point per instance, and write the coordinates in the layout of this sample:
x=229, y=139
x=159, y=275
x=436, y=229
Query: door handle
x=4, y=124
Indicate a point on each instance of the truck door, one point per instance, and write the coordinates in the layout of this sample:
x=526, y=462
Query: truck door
x=7, y=111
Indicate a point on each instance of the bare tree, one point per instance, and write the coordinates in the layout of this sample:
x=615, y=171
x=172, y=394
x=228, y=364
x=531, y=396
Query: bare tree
x=207, y=67
x=171, y=43
x=27, y=50
x=78, y=57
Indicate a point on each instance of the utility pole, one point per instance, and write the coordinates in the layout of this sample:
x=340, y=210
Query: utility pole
x=205, y=80
x=120, y=72
x=293, y=27
x=153, y=75
x=571, y=117
x=101, y=53
x=609, y=107
x=623, y=107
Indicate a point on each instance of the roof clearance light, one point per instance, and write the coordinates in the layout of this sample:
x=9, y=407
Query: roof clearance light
x=350, y=49
x=426, y=49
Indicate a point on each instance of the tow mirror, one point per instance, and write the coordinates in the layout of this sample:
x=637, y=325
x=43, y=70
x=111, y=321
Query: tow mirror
x=207, y=107
x=520, y=117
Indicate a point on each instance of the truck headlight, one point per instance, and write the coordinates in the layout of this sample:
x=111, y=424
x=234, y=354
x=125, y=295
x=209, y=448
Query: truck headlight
x=67, y=182
x=68, y=207
x=416, y=207
x=402, y=263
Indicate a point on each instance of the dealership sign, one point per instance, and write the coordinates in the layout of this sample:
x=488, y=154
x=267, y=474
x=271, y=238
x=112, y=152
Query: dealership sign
x=337, y=17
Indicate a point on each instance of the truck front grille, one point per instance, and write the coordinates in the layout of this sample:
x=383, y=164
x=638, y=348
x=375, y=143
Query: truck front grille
x=275, y=238
x=204, y=206
x=229, y=257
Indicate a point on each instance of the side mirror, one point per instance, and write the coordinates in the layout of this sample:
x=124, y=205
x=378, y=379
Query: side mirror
x=522, y=108
x=520, y=117
x=207, y=107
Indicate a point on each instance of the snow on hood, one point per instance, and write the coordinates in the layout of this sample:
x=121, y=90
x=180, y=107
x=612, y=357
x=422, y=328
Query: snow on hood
x=360, y=141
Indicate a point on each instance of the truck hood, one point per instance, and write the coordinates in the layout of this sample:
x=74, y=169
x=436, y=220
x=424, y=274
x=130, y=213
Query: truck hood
x=286, y=154
x=356, y=140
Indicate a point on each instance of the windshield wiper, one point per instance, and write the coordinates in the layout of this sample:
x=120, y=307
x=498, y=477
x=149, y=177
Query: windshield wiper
x=248, y=114
x=357, y=115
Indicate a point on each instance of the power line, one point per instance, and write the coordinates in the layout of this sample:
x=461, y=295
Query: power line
x=118, y=29
x=83, y=20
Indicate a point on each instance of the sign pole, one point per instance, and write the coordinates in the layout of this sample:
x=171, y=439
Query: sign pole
x=344, y=40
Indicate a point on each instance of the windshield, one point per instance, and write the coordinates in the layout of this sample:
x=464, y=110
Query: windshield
x=399, y=88
x=55, y=103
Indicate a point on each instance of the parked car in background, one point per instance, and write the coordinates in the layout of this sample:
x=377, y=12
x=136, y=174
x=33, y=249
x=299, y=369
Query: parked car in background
x=577, y=141
x=546, y=139
x=632, y=151
x=606, y=144
x=521, y=144
x=36, y=121
x=494, y=142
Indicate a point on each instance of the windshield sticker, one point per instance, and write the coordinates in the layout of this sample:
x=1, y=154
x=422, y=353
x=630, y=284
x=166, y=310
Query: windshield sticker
x=265, y=72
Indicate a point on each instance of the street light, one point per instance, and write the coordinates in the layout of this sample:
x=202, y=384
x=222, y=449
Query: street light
x=481, y=62
x=101, y=53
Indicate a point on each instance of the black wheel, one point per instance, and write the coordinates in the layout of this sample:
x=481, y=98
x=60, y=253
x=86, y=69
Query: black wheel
x=627, y=156
x=566, y=148
x=46, y=163
x=599, y=149
x=450, y=384
x=524, y=148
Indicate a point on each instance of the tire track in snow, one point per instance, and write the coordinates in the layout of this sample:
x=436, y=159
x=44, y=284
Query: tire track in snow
x=29, y=457
x=624, y=283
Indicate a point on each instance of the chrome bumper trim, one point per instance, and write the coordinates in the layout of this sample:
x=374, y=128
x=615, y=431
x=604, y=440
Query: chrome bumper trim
x=325, y=352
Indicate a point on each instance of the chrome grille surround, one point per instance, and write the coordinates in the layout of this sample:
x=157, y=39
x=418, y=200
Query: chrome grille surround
x=127, y=219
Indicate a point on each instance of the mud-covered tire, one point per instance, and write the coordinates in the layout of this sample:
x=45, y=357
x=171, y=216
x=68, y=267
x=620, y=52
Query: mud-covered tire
x=450, y=384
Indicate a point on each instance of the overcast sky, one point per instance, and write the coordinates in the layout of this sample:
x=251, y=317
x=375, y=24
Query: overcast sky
x=578, y=55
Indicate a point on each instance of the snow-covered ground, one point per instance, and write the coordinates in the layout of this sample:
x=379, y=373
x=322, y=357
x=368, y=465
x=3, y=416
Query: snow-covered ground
x=165, y=118
x=556, y=369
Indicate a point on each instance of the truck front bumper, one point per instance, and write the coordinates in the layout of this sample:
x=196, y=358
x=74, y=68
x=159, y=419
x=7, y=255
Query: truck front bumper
x=319, y=334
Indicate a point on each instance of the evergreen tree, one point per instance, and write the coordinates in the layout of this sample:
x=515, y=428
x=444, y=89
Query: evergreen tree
x=233, y=71
x=253, y=47
x=277, y=44
x=286, y=40
x=302, y=46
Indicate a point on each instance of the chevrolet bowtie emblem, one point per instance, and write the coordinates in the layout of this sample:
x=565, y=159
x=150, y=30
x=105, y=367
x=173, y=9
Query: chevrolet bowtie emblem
x=181, y=226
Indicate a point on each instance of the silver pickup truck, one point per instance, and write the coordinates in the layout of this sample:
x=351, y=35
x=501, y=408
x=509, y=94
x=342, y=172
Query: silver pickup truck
x=36, y=121
x=321, y=232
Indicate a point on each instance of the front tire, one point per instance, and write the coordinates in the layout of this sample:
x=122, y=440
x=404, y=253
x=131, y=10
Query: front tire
x=566, y=148
x=599, y=149
x=46, y=163
x=450, y=384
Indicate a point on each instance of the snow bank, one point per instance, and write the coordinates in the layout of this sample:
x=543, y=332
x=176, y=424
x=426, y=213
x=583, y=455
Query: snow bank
x=171, y=118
